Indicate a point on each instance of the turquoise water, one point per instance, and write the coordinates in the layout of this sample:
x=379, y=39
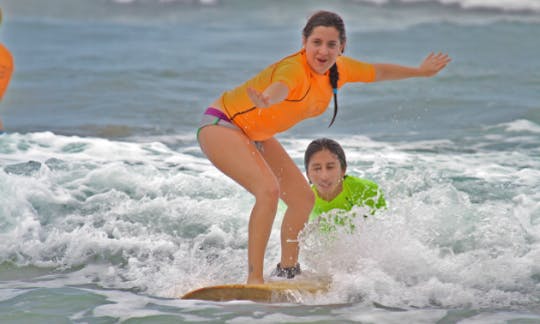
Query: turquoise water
x=109, y=211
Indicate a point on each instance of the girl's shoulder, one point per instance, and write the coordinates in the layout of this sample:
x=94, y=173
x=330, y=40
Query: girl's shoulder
x=353, y=70
x=294, y=60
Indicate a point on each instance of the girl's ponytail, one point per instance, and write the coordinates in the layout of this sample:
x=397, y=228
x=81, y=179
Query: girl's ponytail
x=334, y=77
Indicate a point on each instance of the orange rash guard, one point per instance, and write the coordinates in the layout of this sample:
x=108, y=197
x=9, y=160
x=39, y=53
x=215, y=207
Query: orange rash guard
x=309, y=94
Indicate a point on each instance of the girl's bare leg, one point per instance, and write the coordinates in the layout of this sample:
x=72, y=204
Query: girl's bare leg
x=236, y=156
x=295, y=192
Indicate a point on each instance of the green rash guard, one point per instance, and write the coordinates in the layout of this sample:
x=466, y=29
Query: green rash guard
x=356, y=192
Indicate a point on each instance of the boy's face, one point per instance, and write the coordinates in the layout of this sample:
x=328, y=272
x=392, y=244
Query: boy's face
x=325, y=172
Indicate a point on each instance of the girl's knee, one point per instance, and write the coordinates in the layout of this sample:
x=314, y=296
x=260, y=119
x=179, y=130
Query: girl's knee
x=268, y=192
x=303, y=199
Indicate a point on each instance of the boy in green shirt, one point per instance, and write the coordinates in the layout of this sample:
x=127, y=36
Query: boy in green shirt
x=326, y=165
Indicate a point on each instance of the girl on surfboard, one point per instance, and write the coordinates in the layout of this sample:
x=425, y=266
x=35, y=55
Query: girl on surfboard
x=326, y=167
x=237, y=130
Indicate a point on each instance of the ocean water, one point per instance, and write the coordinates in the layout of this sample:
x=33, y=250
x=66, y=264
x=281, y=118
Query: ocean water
x=109, y=211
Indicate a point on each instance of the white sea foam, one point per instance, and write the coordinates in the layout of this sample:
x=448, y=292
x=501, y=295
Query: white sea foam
x=505, y=5
x=461, y=229
x=441, y=242
x=523, y=125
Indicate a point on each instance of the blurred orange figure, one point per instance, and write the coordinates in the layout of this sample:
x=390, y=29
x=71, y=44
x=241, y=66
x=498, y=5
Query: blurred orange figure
x=6, y=68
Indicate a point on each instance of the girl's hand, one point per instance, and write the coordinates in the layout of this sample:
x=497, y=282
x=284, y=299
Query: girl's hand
x=258, y=98
x=433, y=63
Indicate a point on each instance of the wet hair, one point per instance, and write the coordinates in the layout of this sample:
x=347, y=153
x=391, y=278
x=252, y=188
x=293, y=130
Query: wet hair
x=325, y=144
x=328, y=19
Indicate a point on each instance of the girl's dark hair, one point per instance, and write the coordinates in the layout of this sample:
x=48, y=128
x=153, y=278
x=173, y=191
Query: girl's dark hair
x=325, y=144
x=328, y=19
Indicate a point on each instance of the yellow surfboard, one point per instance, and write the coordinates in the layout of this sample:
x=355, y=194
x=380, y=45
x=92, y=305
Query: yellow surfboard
x=282, y=291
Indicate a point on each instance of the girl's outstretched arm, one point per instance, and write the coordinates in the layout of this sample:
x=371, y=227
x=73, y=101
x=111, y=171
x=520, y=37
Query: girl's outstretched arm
x=429, y=67
x=275, y=93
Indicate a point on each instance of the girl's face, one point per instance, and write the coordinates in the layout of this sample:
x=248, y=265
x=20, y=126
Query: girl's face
x=325, y=172
x=322, y=48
